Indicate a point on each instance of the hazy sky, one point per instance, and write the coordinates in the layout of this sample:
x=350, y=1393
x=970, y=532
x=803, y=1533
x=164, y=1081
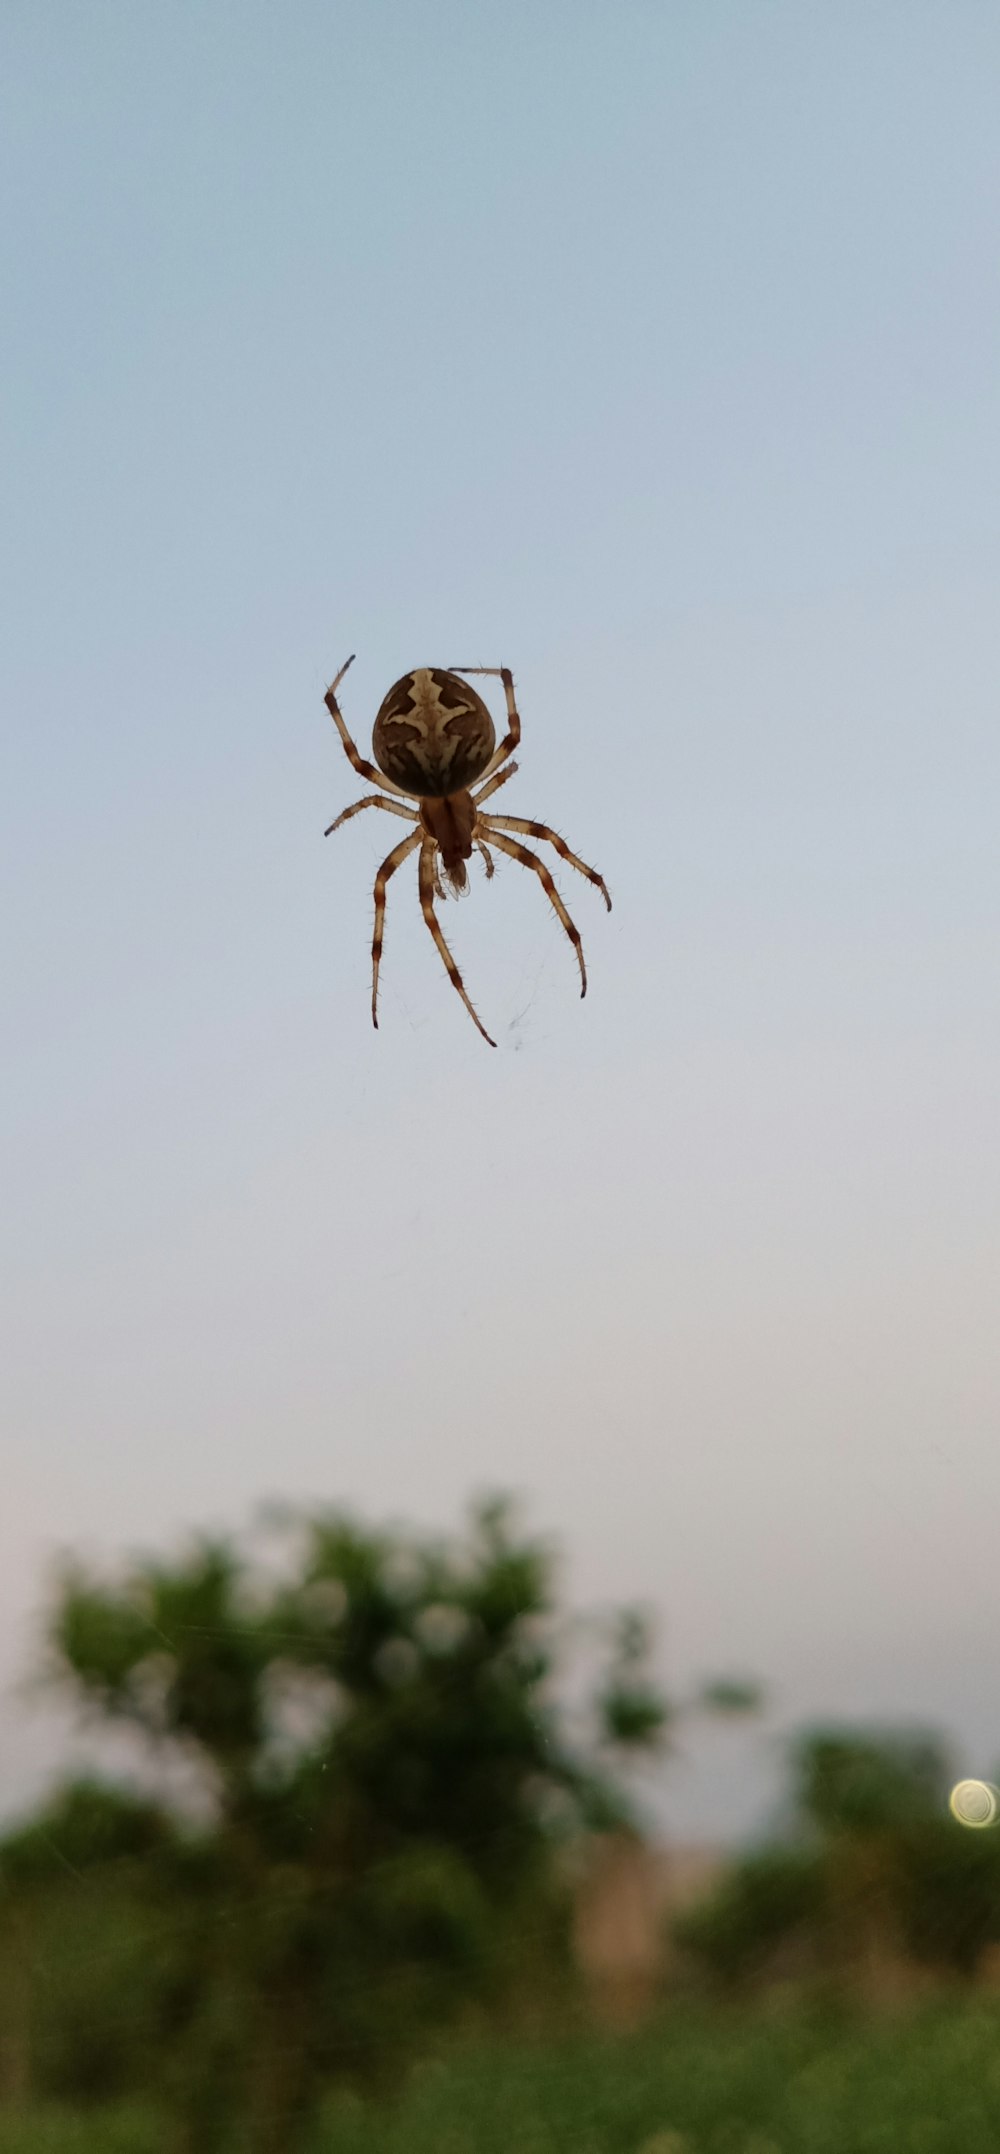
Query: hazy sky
x=653, y=350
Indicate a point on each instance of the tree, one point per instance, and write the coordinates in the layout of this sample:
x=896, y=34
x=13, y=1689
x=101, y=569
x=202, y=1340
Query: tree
x=380, y=1748
x=873, y=1869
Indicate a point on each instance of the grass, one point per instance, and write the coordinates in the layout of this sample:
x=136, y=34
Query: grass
x=121, y=2129
x=708, y=2084
x=698, y=2083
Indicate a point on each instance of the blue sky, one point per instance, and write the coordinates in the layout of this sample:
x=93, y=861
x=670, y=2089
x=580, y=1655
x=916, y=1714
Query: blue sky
x=652, y=351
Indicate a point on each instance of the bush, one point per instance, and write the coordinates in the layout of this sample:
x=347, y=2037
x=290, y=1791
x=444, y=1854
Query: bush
x=769, y=1900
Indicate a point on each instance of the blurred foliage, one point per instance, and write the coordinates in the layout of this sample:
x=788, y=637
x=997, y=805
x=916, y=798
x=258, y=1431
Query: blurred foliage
x=382, y=1781
x=695, y=2082
x=872, y=1870
x=799, y=2082
x=118, y=2128
x=772, y=1896
x=730, y=1696
x=632, y=1711
x=854, y=1784
x=385, y=1779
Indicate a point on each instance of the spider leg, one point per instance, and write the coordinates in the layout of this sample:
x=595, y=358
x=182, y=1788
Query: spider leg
x=531, y=860
x=541, y=830
x=487, y=857
x=389, y=865
x=426, y=878
x=372, y=800
x=493, y=784
x=338, y=677
x=513, y=733
x=361, y=765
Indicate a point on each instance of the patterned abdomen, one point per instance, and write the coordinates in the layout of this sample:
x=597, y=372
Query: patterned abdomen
x=433, y=734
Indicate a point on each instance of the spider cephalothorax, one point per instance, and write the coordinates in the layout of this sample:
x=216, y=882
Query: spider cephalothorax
x=433, y=740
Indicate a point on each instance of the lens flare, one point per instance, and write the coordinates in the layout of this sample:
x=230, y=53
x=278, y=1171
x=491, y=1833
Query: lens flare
x=974, y=1802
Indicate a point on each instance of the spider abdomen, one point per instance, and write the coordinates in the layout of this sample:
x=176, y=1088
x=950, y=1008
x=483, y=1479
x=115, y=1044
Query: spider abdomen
x=433, y=735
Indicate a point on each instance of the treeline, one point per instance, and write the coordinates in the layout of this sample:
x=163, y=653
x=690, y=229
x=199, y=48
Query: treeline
x=362, y=1794
x=869, y=1875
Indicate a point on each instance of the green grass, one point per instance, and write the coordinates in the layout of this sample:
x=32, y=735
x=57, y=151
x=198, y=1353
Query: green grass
x=704, y=2084
x=121, y=2129
x=699, y=2083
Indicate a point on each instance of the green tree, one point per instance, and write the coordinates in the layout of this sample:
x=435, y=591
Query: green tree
x=379, y=1746
x=872, y=1868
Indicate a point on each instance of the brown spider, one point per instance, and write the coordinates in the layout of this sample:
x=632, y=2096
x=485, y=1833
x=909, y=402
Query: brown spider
x=433, y=740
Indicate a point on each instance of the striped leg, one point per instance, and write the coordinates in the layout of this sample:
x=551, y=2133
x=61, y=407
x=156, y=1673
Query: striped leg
x=427, y=852
x=372, y=800
x=389, y=865
x=364, y=769
x=513, y=733
x=494, y=784
x=541, y=830
x=531, y=860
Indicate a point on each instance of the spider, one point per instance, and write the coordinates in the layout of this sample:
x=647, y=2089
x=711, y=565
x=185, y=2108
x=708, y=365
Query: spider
x=433, y=741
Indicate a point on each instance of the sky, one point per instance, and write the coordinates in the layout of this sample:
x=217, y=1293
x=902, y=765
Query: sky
x=653, y=351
